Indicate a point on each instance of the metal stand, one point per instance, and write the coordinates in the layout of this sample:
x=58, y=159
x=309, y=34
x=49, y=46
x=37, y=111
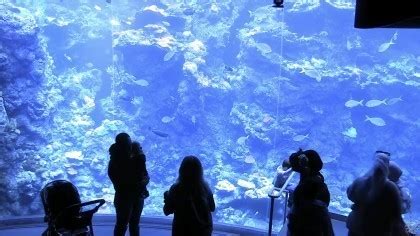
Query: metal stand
x=286, y=201
x=276, y=193
x=273, y=195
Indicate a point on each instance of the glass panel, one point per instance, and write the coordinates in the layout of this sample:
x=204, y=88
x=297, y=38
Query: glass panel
x=239, y=84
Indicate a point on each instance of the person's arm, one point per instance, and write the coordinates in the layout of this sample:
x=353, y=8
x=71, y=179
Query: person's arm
x=210, y=199
x=145, y=178
x=112, y=173
x=280, y=170
x=169, y=206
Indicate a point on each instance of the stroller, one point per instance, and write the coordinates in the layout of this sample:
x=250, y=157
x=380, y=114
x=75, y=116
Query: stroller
x=64, y=211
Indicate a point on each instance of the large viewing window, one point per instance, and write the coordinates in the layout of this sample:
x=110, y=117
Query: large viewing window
x=239, y=84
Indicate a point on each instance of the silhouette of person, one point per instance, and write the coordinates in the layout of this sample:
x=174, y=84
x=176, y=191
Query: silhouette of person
x=190, y=200
x=377, y=203
x=139, y=159
x=124, y=171
x=309, y=213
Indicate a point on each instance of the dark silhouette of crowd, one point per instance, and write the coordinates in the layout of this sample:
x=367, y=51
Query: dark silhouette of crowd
x=379, y=197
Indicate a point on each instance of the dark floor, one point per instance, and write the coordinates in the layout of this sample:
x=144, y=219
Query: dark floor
x=150, y=227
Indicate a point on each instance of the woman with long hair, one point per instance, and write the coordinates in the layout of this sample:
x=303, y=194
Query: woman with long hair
x=190, y=200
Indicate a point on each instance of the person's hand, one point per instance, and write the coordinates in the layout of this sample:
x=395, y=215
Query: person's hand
x=280, y=170
x=288, y=170
x=145, y=180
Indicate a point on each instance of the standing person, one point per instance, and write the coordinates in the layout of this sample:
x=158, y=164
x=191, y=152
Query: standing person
x=309, y=213
x=190, y=200
x=123, y=172
x=377, y=203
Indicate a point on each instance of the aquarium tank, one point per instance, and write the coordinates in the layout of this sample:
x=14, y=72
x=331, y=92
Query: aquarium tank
x=240, y=84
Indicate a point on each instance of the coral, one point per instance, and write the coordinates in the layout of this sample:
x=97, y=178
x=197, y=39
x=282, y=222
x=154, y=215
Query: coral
x=225, y=186
x=251, y=117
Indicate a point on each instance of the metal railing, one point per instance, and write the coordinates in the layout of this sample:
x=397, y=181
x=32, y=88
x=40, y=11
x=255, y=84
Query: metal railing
x=277, y=193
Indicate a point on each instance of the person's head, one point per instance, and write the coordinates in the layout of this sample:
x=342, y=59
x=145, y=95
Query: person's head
x=190, y=171
x=395, y=172
x=306, y=162
x=286, y=164
x=315, y=163
x=123, y=140
x=136, y=148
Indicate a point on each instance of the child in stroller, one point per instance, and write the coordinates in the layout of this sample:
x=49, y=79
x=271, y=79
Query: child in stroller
x=64, y=210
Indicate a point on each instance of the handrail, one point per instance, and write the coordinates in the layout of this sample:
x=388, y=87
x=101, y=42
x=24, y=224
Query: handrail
x=276, y=193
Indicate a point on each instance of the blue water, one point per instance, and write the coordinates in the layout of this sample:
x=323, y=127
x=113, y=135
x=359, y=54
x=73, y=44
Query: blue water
x=236, y=83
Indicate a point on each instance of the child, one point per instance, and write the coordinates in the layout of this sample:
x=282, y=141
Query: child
x=394, y=175
x=142, y=175
x=283, y=172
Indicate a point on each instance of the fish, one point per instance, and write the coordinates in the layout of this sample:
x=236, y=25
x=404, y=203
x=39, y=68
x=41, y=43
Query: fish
x=300, y=137
x=228, y=68
x=72, y=171
x=62, y=22
x=115, y=58
x=392, y=101
x=375, y=103
x=241, y=140
x=353, y=103
x=159, y=133
x=349, y=46
x=89, y=65
x=167, y=119
x=376, y=121
x=108, y=1
x=350, y=132
x=263, y=47
x=98, y=8
x=385, y=46
x=249, y=159
x=312, y=73
x=141, y=82
x=168, y=56
x=267, y=119
x=137, y=101
x=189, y=11
x=15, y=10
x=50, y=19
x=115, y=22
x=193, y=119
x=68, y=57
